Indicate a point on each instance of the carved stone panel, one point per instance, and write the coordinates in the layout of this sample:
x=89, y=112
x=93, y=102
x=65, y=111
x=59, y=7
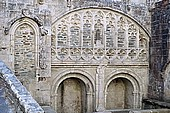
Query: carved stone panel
x=95, y=35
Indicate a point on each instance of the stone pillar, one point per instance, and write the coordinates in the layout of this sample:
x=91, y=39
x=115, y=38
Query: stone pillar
x=45, y=43
x=44, y=57
x=100, y=88
x=137, y=100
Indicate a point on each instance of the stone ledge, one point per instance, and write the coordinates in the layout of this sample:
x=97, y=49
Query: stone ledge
x=152, y=111
x=26, y=102
x=157, y=102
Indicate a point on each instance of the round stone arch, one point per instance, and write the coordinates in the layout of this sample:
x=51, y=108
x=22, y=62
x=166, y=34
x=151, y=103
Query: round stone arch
x=85, y=77
x=106, y=9
x=35, y=27
x=133, y=79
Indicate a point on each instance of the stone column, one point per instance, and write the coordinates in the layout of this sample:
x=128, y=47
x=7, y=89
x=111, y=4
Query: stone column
x=136, y=99
x=89, y=102
x=140, y=100
x=54, y=101
x=100, y=88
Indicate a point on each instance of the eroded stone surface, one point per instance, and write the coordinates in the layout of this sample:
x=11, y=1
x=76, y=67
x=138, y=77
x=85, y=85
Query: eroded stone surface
x=102, y=44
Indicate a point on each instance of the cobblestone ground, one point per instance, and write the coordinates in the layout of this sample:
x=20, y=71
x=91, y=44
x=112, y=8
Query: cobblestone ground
x=5, y=107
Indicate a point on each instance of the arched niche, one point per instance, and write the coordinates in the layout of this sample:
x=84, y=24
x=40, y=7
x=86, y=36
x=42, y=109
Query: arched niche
x=123, y=79
x=72, y=96
x=79, y=77
x=24, y=46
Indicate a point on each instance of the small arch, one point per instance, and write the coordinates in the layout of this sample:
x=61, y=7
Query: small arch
x=133, y=79
x=85, y=77
x=25, y=13
x=21, y=21
x=120, y=94
x=71, y=96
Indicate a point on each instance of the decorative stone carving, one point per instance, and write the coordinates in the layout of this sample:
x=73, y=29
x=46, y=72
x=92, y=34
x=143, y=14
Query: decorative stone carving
x=99, y=54
x=100, y=35
x=45, y=15
x=111, y=54
x=75, y=53
x=26, y=12
x=122, y=54
x=6, y=31
x=132, y=54
x=43, y=31
x=42, y=48
x=62, y=53
x=87, y=54
x=75, y=36
x=100, y=81
x=132, y=39
x=69, y=3
x=87, y=35
x=110, y=35
x=43, y=57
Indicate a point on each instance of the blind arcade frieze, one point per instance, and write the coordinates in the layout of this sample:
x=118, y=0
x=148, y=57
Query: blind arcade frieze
x=98, y=34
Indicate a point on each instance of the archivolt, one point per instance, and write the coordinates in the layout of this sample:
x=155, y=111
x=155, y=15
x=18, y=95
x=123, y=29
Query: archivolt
x=80, y=74
x=127, y=74
x=135, y=81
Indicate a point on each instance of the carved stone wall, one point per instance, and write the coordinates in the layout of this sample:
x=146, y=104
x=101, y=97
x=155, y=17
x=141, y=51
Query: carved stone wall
x=82, y=46
x=97, y=35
